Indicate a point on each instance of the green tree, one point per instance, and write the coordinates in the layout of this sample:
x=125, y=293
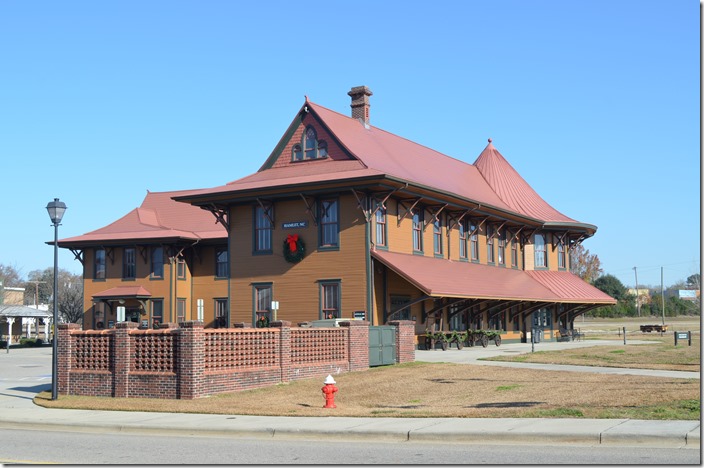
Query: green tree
x=612, y=286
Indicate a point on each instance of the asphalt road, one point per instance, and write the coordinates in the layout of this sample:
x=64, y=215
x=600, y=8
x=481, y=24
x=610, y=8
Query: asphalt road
x=43, y=447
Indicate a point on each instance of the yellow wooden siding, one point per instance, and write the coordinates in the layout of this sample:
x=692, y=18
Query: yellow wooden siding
x=296, y=286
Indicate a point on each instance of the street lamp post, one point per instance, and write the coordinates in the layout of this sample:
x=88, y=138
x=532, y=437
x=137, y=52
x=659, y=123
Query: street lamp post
x=56, y=211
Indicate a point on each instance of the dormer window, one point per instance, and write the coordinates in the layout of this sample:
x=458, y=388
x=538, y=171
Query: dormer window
x=310, y=147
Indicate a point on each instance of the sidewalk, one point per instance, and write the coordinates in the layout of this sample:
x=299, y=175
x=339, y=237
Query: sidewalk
x=22, y=375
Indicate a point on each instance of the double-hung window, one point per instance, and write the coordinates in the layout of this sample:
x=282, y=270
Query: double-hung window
x=220, y=313
x=474, y=242
x=561, y=256
x=99, y=264
x=129, y=263
x=157, y=268
x=418, y=230
x=180, y=310
x=380, y=218
x=541, y=258
x=329, y=235
x=330, y=299
x=157, y=311
x=502, y=248
x=437, y=237
x=263, y=228
x=489, y=244
x=463, y=239
x=514, y=251
x=221, y=267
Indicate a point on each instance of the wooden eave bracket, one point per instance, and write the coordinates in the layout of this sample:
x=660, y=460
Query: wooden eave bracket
x=455, y=220
x=560, y=239
x=220, y=214
x=109, y=253
x=77, y=255
x=478, y=227
x=401, y=204
x=406, y=306
x=309, y=209
x=143, y=252
x=526, y=235
x=434, y=215
x=363, y=204
x=267, y=206
x=497, y=230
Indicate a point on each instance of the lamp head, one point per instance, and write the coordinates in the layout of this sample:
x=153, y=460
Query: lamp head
x=56, y=211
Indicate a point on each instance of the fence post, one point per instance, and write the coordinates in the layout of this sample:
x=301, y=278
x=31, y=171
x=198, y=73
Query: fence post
x=405, y=340
x=190, y=349
x=624, y=335
x=123, y=355
x=284, y=327
x=64, y=350
x=358, y=336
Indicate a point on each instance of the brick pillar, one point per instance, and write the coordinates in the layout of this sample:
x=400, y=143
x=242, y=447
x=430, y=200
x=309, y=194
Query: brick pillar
x=405, y=340
x=190, y=359
x=358, y=336
x=284, y=348
x=123, y=356
x=64, y=347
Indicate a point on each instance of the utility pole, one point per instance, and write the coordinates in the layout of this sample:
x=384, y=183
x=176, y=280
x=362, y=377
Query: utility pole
x=662, y=295
x=36, y=292
x=637, y=298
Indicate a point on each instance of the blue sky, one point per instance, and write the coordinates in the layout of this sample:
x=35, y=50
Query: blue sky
x=596, y=104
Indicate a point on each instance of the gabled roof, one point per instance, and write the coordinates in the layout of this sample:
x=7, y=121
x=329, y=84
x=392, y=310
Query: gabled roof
x=159, y=217
x=374, y=153
x=22, y=311
x=445, y=278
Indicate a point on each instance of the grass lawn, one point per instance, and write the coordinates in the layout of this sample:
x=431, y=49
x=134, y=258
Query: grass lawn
x=440, y=390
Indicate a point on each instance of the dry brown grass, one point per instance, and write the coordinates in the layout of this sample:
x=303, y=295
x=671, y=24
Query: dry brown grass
x=442, y=390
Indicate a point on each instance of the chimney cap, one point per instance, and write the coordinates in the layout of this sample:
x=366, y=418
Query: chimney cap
x=360, y=90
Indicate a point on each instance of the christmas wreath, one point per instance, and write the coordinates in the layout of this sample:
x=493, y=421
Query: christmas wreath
x=294, y=249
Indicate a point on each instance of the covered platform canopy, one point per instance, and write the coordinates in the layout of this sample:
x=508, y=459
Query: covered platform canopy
x=10, y=313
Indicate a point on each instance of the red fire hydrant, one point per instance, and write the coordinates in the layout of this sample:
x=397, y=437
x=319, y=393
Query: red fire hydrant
x=329, y=391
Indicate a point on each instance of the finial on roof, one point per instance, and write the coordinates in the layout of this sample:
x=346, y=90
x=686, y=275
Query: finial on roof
x=306, y=96
x=489, y=140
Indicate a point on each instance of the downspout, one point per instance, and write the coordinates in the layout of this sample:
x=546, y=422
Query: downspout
x=370, y=272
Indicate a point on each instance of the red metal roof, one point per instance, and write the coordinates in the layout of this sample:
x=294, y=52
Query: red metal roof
x=513, y=189
x=445, y=278
x=158, y=217
x=123, y=291
x=491, y=181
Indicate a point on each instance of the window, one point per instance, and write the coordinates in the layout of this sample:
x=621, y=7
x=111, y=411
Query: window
x=157, y=268
x=180, y=310
x=474, y=242
x=418, y=230
x=157, y=311
x=310, y=147
x=99, y=264
x=263, y=228
x=129, y=263
x=514, y=252
x=489, y=244
x=502, y=248
x=437, y=237
x=262, y=304
x=561, y=257
x=541, y=260
x=329, y=223
x=463, y=240
x=330, y=299
x=397, y=304
x=181, y=268
x=380, y=217
x=221, y=267
x=220, y=313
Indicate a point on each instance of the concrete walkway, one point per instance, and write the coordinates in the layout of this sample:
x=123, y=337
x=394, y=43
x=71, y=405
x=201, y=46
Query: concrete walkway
x=25, y=372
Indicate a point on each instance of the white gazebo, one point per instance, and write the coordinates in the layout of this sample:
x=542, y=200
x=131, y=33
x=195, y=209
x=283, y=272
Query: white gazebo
x=10, y=313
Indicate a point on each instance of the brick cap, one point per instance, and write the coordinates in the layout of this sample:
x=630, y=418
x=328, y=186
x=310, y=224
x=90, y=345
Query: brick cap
x=120, y=325
x=402, y=322
x=355, y=323
x=280, y=324
x=191, y=324
x=69, y=326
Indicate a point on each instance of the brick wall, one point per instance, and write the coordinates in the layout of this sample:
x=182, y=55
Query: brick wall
x=188, y=361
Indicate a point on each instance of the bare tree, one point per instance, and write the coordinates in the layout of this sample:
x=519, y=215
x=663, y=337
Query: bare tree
x=70, y=292
x=584, y=264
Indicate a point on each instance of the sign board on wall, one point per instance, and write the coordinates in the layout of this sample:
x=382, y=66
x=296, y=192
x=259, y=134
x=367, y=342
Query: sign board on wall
x=295, y=225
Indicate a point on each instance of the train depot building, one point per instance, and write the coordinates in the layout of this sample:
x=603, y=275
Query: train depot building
x=344, y=221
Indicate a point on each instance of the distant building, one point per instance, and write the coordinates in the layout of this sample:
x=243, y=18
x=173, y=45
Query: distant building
x=643, y=294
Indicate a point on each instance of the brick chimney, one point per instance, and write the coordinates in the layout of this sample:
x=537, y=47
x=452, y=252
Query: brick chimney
x=360, y=103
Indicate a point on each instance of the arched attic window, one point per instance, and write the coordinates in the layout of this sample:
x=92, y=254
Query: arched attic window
x=310, y=147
